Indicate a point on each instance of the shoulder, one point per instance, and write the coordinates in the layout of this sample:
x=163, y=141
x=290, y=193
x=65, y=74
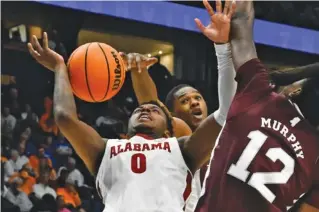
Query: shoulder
x=180, y=128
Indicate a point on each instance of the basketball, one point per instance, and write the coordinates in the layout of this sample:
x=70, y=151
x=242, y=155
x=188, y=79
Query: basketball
x=96, y=72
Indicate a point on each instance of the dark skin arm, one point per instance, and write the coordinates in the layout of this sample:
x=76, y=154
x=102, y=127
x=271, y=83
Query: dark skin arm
x=196, y=149
x=242, y=43
x=85, y=140
x=289, y=76
x=143, y=85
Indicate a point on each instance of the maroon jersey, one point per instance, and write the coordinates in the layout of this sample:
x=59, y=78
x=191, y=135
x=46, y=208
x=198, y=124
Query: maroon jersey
x=266, y=157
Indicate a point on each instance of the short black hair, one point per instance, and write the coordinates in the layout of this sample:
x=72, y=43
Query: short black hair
x=168, y=115
x=169, y=101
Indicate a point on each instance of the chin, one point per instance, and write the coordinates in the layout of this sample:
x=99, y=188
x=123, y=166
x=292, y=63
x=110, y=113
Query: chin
x=143, y=128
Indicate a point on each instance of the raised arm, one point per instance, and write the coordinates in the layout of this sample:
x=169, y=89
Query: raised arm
x=289, y=76
x=197, y=148
x=143, y=85
x=85, y=140
x=242, y=43
x=218, y=32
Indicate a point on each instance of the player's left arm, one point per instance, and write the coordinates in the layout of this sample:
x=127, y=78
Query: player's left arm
x=288, y=76
x=218, y=32
x=197, y=148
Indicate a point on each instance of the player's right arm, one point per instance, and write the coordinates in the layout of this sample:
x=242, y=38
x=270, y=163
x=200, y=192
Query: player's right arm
x=251, y=75
x=143, y=85
x=85, y=140
x=242, y=43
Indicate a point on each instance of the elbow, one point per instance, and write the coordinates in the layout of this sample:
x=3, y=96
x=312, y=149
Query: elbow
x=61, y=116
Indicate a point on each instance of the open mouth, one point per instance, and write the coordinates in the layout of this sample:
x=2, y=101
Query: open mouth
x=197, y=113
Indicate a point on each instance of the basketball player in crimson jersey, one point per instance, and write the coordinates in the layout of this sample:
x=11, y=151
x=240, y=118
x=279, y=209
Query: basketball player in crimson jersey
x=184, y=101
x=134, y=166
x=266, y=157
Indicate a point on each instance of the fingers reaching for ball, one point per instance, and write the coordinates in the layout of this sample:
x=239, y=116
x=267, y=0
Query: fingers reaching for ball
x=43, y=54
x=137, y=62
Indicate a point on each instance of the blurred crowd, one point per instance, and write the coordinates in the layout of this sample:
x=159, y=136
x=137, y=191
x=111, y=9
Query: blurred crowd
x=39, y=168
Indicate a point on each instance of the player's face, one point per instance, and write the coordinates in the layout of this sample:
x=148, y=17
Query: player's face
x=148, y=119
x=190, y=106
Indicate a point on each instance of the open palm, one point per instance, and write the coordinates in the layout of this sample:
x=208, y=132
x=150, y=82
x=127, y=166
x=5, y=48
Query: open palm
x=43, y=54
x=219, y=27
x=136, y=61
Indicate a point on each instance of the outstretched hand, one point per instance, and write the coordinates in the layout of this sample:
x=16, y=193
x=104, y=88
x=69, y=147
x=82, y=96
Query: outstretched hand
x=43, y=54
x=137, y=62
x=219, y=27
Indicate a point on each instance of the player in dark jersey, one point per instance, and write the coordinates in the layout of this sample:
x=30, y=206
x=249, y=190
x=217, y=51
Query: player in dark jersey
x=266, y=157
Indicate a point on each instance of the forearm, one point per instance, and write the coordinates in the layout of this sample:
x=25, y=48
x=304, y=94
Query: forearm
x=64, y=103
x=144, y=86
x=226, y=81
x=287, y=77
x=241, y=34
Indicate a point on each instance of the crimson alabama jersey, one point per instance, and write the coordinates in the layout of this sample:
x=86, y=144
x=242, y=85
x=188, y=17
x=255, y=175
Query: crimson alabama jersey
x=141, y=175
x=266, y=157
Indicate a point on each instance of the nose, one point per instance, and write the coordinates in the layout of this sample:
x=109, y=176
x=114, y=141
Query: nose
x=194, y=103
x=145, y=110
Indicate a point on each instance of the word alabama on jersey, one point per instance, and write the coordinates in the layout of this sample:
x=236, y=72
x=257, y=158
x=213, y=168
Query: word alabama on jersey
x=138, y=175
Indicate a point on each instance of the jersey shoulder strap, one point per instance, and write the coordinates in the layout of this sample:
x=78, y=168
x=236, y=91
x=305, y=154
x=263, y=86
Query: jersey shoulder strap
x=103, y=165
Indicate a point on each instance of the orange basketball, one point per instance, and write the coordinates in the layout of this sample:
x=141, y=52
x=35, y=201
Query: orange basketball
x=96, y=72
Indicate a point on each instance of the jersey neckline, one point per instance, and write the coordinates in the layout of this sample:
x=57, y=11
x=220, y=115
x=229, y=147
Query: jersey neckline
x=147, y=137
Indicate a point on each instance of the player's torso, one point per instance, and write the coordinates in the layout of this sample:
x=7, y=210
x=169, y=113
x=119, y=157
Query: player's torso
x=267, y=155
x=143, y=175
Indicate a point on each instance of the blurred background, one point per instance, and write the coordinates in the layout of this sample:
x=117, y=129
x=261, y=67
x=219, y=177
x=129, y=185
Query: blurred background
x=40, y=170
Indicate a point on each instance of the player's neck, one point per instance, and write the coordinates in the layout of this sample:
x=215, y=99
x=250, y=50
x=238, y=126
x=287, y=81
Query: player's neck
x=146, y=136
x=144, y=132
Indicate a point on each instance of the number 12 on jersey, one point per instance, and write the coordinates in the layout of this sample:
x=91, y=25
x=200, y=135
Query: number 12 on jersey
x=259, y=179
x=138, y=163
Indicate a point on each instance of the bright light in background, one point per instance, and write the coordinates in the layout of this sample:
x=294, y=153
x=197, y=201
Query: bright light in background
x=160, y=52
x=149, y=55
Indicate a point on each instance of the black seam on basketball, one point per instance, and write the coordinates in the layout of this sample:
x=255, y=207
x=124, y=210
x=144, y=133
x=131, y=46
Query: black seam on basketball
x=68, y=68
x=108, y=70
x=86, y=73
x=123, y=72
